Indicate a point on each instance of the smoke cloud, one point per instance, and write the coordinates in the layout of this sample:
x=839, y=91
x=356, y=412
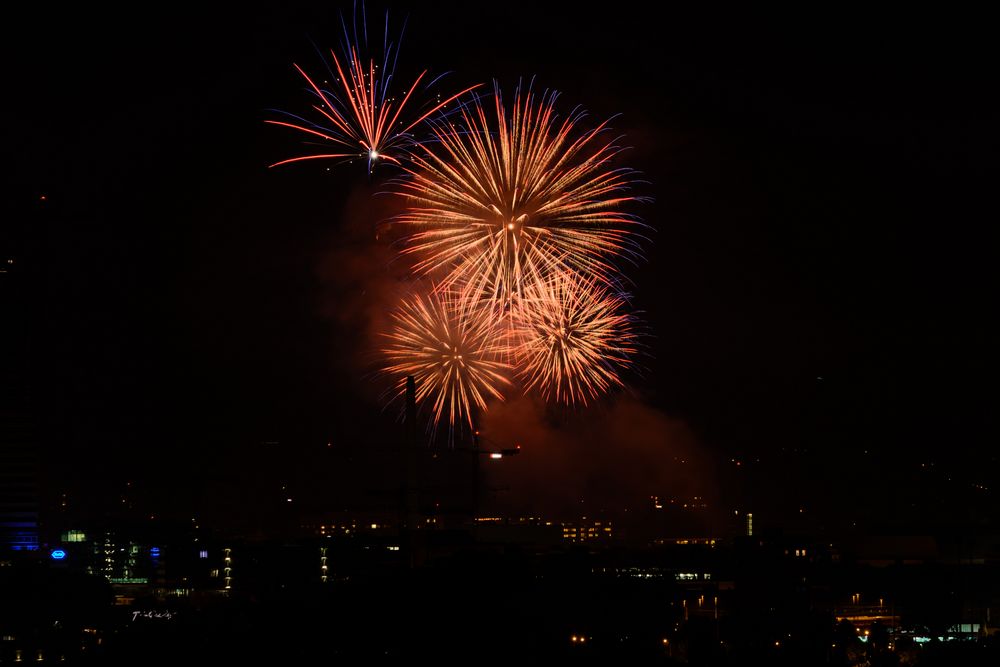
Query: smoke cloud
x=362, y=280
x=605, y=459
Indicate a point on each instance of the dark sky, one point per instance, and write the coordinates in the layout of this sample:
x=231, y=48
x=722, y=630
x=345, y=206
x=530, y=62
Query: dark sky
x=821, y=186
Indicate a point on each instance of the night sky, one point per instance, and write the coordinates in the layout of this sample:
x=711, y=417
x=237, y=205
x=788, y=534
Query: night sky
x=819, y=277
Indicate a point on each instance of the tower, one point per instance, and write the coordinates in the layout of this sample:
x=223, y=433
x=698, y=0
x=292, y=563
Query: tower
x=18, y=487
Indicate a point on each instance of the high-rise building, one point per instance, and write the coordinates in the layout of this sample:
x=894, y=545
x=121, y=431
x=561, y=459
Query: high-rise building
x=18, y=495
x=18, y=485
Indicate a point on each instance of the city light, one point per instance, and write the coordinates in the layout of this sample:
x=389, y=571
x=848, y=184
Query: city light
x=57, y=554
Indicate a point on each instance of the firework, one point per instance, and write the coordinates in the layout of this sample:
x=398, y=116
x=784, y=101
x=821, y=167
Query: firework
x=571, y=339
x=499, y=201
x=359, y=117
x=452, y=352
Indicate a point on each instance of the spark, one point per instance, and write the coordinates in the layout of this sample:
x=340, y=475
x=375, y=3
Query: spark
x=500, y=200
x=361, y=118
x=452, y=352
x=572, y=339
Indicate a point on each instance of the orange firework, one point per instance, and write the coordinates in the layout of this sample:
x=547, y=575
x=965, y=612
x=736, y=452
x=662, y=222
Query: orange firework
x=359, y=116
x=452, y=352
x=571, y=339
x=498, y=201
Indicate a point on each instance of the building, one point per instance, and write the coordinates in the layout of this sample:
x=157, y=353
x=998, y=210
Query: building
x=18, y=491
x=18, y=486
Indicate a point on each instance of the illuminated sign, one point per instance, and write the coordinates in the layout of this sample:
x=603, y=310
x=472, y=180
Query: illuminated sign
x=57, y=554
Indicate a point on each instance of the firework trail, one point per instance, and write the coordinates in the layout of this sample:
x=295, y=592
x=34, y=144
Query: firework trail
x=501, y=199
x=571, y=339
x=451, y=351
x=359, y=116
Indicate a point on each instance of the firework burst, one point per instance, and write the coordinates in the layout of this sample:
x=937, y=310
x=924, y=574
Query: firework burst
x=359, y=117
x=572, y=338
x=500, y=200
x=453, y=353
